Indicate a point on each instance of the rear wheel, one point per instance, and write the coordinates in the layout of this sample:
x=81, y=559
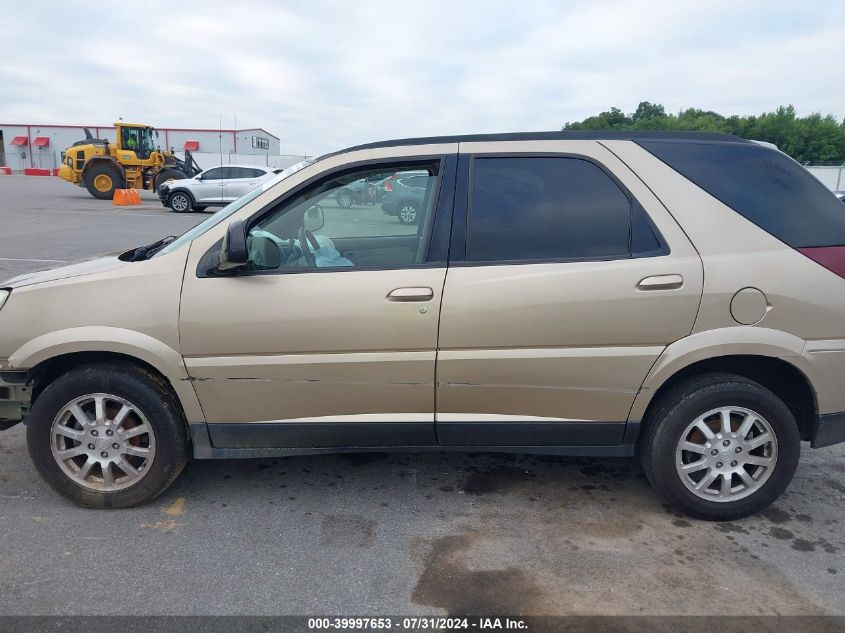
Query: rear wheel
x=344, y=199
x=181, y=202
x=108, y=436
x=720, y=446
x=408, y=213
x=101, y=181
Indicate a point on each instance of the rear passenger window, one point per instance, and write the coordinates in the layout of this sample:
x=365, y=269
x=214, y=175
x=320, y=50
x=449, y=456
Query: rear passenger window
x=763, y=185
x=530, y=208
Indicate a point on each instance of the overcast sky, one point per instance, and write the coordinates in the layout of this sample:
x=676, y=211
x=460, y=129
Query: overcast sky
x=324, y=74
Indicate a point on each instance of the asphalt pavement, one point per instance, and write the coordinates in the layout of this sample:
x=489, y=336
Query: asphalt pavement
x=387, y=533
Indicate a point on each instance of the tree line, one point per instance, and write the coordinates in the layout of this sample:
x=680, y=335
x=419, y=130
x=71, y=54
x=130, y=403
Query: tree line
x=813, y=138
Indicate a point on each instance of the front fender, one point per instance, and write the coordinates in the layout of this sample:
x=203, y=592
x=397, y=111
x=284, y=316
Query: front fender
x=130, y=343
x=730, y=341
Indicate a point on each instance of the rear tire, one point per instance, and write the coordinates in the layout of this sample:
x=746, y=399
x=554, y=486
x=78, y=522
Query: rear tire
x=344, y=199
x=180, y=202
x=408, y=213
x=56, y=425
x=102, y=180
x=747, y=478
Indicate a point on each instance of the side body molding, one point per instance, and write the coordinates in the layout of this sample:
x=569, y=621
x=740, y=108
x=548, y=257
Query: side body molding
x=111, y=339
x=730, y=341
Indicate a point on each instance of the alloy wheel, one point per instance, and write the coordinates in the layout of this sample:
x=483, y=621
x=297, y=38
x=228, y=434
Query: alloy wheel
x=179, y=202
x=408, y=214
x=102, y=442
x=726, y=454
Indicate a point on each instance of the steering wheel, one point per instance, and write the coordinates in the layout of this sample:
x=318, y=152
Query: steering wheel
x=307, y=237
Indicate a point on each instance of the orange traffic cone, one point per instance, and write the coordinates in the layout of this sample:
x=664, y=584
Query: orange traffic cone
x=126, y=197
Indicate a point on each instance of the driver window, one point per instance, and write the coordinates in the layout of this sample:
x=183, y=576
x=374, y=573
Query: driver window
x=373, y=217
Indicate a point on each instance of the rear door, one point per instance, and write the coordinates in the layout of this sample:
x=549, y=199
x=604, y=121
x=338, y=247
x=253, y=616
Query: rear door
x=240, y=181
x=567, y=279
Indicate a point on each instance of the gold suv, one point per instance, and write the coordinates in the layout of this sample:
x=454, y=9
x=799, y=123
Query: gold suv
x=678, y=297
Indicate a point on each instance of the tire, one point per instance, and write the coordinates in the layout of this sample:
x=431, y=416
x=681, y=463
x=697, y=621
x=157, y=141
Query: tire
x=180, y=202
x=407, y=213
x=344, y=199
x=165, y=175
x=101, y=181
x=159, y=455
x=676, y=416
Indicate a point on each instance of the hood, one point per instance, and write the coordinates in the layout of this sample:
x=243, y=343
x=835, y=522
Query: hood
x=101, y=264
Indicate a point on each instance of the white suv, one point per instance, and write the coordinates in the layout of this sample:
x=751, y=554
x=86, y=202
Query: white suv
x=213, y=187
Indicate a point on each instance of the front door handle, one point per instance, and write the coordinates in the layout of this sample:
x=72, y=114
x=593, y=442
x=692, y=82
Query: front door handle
x=661, y=282
x=410, y=294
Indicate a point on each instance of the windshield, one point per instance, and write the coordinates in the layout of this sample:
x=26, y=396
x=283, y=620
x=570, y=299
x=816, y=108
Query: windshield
x=230, y=209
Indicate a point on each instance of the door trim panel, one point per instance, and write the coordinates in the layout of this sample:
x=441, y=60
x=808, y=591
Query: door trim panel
x=319, y=434
x=531, y=433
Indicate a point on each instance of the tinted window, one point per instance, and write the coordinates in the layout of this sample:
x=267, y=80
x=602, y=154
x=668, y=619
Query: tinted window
x=254, y=173
x=763, y=185
x=545, y=208
x=213, y=174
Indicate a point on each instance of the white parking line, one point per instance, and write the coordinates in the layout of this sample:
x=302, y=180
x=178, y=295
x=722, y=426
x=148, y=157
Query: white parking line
x=40, y=261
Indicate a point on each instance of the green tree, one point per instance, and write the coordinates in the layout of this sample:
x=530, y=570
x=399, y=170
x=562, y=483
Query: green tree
x=813, y=138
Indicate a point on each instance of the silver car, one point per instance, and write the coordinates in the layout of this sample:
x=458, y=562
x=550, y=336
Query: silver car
x=216, y=186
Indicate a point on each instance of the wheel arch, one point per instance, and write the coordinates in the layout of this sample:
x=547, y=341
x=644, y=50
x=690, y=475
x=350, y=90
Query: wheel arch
x=103, y=160
x=51, y=355
x=769, y=358
x=182, y=190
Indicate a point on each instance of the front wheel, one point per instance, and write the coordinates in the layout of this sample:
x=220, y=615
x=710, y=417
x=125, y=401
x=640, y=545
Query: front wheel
x=167, y=175
x=101, y=181
x=720, y=446
x=180, y=202
x=108, y=436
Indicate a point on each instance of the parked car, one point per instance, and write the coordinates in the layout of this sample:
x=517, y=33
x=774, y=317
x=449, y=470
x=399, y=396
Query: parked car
x=576, y=318
x=361, y=192
x=213, y=187
x=403, y=195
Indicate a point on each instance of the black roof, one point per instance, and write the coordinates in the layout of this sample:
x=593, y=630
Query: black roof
x=565, y=135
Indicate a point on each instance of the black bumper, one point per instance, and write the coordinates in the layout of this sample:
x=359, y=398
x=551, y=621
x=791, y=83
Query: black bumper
x=830, y=430
x=163, y=194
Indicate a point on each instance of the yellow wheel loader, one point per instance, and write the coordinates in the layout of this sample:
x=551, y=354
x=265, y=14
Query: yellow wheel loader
x=134, y=161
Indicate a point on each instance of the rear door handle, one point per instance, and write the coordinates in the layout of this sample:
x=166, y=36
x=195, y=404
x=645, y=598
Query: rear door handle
x=411, y=294
x=661, y=282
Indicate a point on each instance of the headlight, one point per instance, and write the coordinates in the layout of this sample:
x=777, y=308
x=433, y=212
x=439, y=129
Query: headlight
x=3, y=295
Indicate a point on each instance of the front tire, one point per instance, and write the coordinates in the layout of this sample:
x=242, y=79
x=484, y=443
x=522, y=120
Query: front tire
x=101, y=182
x=166, y=175
x=180, y=202
x=108, y=436
x=719, y=446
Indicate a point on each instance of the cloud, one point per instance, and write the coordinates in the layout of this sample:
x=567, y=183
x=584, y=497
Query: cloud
x=322, y=75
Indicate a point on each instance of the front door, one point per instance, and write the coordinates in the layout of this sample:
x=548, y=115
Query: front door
x=209, y=187
x=571, y=281
x=328, y=337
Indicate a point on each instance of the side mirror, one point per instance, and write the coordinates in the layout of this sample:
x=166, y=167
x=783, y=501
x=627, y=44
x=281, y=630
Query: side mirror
x=314, y=218
x=234, y=252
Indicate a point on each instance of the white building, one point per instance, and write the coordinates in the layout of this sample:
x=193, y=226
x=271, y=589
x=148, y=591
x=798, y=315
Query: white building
x=25, y=145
